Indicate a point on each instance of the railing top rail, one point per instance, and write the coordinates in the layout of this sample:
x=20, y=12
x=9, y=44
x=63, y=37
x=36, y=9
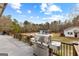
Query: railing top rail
x=66, y=43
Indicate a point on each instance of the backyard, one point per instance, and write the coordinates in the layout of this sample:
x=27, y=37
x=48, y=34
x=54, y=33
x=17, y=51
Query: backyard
x=57, y=37
x=25, y=26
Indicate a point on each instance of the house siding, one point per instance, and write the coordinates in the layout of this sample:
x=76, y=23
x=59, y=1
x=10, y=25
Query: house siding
x=71, y=30
x=78, y=35
x=68, y=35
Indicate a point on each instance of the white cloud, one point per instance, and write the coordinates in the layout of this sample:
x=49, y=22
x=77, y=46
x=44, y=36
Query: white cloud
x=43, y=7
x=49, y=8
x=29, y=11
x=75, y=10
x=19, y=11
x=45, y=18
x=46, y=12
x=54, y=8
x=37, y=17
x=54, y=18
x=77, y=4
x=17, y=7
x=31, y=17
x=23, y=15
x=77, y=7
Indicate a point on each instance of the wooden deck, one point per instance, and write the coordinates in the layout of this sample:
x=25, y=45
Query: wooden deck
x=77, y=49
x=13, y=47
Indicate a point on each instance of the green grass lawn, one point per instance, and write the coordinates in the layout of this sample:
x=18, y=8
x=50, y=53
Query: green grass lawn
x=57, y=37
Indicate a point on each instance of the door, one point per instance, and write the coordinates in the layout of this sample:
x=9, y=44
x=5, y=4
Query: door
x=75, y=34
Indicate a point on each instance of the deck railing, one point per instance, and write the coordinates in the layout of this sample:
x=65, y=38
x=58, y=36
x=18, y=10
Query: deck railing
x=66, y=49
x=23, y=37
x=76, y=48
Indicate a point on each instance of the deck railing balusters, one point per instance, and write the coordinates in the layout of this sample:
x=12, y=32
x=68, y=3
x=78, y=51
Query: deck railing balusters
x=66, y=49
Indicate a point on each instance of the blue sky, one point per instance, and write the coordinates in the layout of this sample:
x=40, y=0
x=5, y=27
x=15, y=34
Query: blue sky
x=39, y=12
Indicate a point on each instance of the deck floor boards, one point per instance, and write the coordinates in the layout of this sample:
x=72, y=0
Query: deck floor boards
x=14, y=47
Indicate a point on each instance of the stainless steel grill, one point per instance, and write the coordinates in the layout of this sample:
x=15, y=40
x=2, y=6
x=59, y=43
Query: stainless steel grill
x=41, y=43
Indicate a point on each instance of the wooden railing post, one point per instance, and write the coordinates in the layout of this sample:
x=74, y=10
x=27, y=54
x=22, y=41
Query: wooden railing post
x=50, y=51
x=74, y=50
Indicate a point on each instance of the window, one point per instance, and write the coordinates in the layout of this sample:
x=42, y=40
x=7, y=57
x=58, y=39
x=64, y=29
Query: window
x=70, y=33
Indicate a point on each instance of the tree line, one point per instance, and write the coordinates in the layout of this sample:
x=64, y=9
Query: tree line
x=54, y=26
